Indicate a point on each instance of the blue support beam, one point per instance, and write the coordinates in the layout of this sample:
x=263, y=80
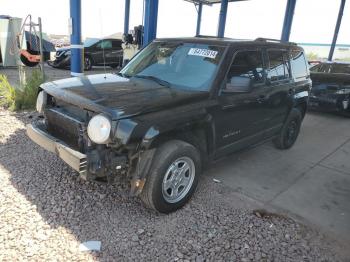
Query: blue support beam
x=336, y=31
x=288, y=20
x=222, y=18
x=199, y=19
x=126, y=16
x=150, y=23
x=77, y=48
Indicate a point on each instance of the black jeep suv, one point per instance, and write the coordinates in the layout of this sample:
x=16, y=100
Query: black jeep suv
x=178, y=104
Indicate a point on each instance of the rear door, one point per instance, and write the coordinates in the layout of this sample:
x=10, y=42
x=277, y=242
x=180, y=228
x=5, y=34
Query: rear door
x=281, y=90
x=117, y=52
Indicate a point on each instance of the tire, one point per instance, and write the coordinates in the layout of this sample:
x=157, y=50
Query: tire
x=87, y=63
x=165, y=174
x=290, y=130
x=26, y=62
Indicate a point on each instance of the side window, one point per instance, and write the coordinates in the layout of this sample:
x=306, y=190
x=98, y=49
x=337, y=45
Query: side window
x=117, y=44
x=298, y=63
x=278, y=66
x=247, y=66
x=105, y=44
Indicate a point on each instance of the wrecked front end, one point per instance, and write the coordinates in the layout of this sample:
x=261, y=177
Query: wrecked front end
x=62, y=59
x=330, y=92
x=64, y=130
x=330, y=98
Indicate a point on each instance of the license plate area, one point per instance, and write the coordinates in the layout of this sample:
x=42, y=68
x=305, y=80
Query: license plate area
x=64, y=127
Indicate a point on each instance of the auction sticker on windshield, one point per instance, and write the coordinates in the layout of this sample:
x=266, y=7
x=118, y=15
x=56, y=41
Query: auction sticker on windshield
x=203, y=52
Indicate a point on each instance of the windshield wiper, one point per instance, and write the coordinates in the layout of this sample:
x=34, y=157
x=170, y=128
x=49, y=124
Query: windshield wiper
x=123, y=75
x=155, y=79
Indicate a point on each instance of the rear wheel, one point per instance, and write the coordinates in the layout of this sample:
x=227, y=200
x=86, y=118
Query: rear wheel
x=290, y=130
x=173, y=177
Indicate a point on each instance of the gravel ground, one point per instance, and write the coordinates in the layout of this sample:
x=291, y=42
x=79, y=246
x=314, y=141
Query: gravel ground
x=46, y=211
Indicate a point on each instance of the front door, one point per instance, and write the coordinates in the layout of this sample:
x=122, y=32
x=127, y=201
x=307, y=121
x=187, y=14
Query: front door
x=242, y=110
x=102, y=52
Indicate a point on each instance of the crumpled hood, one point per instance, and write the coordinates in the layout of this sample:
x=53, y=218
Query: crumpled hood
x=117, y=96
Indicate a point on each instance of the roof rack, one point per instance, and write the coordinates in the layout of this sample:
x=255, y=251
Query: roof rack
x=210, y=2
x=206, y=36
x=274, y=40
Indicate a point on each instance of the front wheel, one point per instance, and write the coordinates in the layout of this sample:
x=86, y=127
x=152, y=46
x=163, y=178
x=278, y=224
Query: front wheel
x=173, y=177
x=290, y=130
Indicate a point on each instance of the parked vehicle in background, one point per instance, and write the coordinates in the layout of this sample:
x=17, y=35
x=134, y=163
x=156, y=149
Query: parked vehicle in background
x=177, y=105
x=97, y=52
x=331, y=87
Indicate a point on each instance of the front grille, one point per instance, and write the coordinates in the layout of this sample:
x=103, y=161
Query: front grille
x=67, y=128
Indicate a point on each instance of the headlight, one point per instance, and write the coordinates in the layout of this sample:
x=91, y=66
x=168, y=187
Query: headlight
x=67, y=53
x=41, y=101
x=99, y=129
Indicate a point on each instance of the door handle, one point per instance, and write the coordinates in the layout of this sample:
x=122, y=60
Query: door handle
x=226, y=107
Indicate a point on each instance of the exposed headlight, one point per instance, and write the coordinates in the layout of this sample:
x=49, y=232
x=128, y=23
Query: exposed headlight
x=41, y=101
x=99, y=129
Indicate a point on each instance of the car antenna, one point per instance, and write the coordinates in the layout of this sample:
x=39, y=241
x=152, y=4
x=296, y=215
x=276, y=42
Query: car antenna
x=102, y=45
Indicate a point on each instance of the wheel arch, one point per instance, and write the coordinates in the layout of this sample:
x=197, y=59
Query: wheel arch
x=201, y=137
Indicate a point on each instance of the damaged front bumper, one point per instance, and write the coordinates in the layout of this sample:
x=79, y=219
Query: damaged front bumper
x=95, y=164
x=60, y=63
x=330, y=103
x=77, y=160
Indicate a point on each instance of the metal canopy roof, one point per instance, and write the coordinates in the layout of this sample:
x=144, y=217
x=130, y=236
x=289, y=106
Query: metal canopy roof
x=210, y=2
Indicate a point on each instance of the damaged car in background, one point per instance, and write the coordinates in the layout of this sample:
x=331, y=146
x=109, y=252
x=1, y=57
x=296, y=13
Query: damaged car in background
x=97, y=52
x=330, y=87
x=177, y=105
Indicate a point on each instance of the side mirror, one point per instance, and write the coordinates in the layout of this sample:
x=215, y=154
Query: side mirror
x=238, y=84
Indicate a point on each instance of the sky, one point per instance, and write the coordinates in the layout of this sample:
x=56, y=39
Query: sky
x=314, y=20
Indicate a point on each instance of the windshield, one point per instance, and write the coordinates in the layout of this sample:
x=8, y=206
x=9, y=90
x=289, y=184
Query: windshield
x=180, y=65
x=90, y=41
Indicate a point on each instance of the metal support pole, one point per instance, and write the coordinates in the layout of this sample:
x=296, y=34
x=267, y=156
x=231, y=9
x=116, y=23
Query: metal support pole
x=199, y=19
x=41, y=48
x=76, y=46
x=222, y=18
x=126, y=16
x=151, y=15
x=336, y=31
x=288, y=20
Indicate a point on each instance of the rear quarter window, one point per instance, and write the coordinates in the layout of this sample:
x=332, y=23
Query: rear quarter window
x=299, y=65
x=278, y=65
